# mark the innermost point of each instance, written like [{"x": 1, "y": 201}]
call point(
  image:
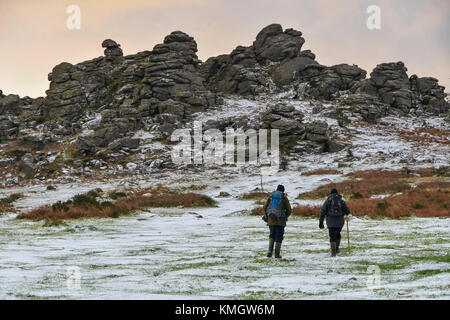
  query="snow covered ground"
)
[
  {"x": 220, "y": 252},
  {"x": 217, "y": 252}
]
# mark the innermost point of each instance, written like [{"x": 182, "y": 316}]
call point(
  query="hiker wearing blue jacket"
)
[
  {"x": 334, "y": 208},
  {"x": 277, "y": 211}
]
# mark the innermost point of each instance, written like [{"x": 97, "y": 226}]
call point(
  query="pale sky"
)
[{"x": 34, "y": 36}]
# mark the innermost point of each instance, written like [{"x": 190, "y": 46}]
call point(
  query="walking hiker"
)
[
  {"x": 277, "y": 211},
  {"x": 334, "y": 209}
]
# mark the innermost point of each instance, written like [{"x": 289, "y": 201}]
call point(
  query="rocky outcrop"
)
[
  {"x": 11, "y": 107},
  {"x": 292, "y": 130},
  {"x": 333, "y": 79},
  {"x": 364, "y": 106},
  {"x": 246, "y": 69},
  {"x": 112, "y": 51},
  {"x": 96, "y": 108},
  {"x": 390, "y": 82},
  {"x": 300, "y": 68},
  {"x": 428, "y": 96},
  {"x": 276, "y": 56},
  {"x": 284, "y": 118},
  {"x": 162, "y": 87},
  {"x": 274, "y": 45},
  {"x": 238, "y": 72}
]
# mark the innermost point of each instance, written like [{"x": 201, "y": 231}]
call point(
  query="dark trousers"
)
[
  {"x": 277, "y": 233},
  {"x": 335, "y": 234}
]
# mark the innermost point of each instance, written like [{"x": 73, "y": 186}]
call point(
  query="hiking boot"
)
[
  {"x": 271, "y": 243},
  {"x": 337, "y": 246},
  {"x": 333, "y": 249},
  {"x": 277, "y": 250}
]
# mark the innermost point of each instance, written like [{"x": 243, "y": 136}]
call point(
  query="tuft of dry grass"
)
[
  {"x": 440, "y": 185},
  {"x": 419, "y": 203},
  {"x": 257, "y": 211},
  {"x": 196, "y": 187},
  {"x": 363, "y": 184},
  {"x": 360, "y": 188},
  {"x": 306, "y": 211},
  {"x": 88, "y": 205},
  {"x": 422, "y": 135},
  {"x": 16, "y": 146},
  {"x": 256, "y": 195},
  {"x": 321, "y": 171},
  {"x": 369, "y": 174},
  {"x": 6, "y": 203},
  {"x": 429, "y": 199},
  {"x": 53, "y": 147}
]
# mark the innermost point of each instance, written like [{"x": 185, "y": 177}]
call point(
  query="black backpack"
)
[{"x": 335, "y": 209}]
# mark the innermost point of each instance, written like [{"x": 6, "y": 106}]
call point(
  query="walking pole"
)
[{"x": 348, "y": 236}]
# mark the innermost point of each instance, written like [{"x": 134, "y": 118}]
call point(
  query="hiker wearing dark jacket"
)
[
  {"x": 334, "y": 209},
  {"x": 277, "y": 211}
]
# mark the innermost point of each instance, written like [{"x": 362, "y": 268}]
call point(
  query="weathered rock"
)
[
  {"x": 334, "y": 146},
  {"x": 235, "y": 79},
  {"x": 294, "y": 69},
  {"x": 27, "y": 165},
  {"x": 211, "y": 66},
  {"x": 392, "y": 85},
  {"x": 428, "y": 95},
  {"x": 333, "y": 79},
  {"x": 11, "y": 105},
  {"x": 128, "y": 143},
  {"x": 112, "y": 51},
  {"x": 244, "y": 70},
  {"x": 285, "y": 118},
  {"x": 272, "y": 44},
  {"x": 368, "y": 107},
  {"x": 84, "y": 147},
  {"x": 317, "y": 131}
]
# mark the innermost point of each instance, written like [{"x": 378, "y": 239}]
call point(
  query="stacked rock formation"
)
[
  {"x": 276, "y": 56},
  {"x": 101, "y": 103}
]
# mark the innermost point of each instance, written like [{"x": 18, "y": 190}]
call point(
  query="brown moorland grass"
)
[
  {"x": 442, "y": 185},
  {"x": 418, "y": 203},
  {"x": 422, "y": 135},
  {"x": 365, "y": 183},
  {"x": 6, "y": 202},
  {"x": 255, "y": 195},
  {"x": 321, "y": 171},
  {"x": 15, "y": 146},
  {"x": 359, "y": 188},
  {"x": 87, "y": 205},
  {"x": 257, "y": 211},
  {"x": 430, "y": 198}
]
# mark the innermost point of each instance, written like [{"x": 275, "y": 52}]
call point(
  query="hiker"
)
[
  {"x": 277, "y": 211},
  {"x": 334, "y": 208}
]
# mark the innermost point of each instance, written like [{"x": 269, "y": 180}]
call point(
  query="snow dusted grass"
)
[
  {"x": 158, "y": 256},
  {"x": 217, "y": 252}
]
